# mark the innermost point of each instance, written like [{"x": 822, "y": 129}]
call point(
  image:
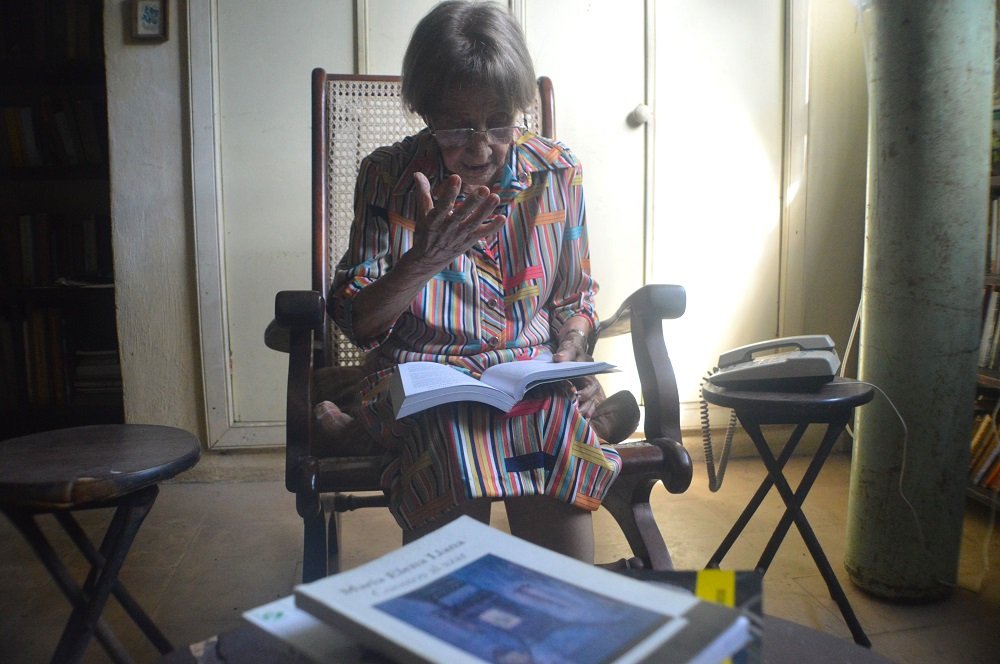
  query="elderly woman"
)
[{"x": 469, "y": 247}]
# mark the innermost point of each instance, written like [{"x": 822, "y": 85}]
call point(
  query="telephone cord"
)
[{"x": 715, "y": 474}]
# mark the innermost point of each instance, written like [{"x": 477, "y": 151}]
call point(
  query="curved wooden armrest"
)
[
  {"x": 642, "y": 315},
  {"x": 653, "y": 301},
  {"x": 660, "y": 459}
]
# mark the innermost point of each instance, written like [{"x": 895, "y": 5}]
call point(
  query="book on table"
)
[
  {"x": 417, "y": 386},
  {"x": 469, "y": 593}
]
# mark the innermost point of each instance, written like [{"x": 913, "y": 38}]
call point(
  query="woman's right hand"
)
[{"x": 444, "y": 230}]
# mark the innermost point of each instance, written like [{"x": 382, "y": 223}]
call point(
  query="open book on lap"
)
[
  {"x": 417, "y": 386},
  {"x": 470, "y": 593}
]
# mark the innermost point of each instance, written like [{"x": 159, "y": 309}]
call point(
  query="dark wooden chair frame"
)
[{"x": 326, "y": 486}]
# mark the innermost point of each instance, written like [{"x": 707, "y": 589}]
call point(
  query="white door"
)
[{"x": 717, "y": 184}]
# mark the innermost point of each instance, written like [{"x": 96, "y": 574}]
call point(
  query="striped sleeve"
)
[
  {"x": 574, "y": 288},
  {"x": 367, "y": 257}
]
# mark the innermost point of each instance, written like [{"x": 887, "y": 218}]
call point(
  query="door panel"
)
[
  {"x": 718, "y": 155},
  {"x": 598, "y": 68}
]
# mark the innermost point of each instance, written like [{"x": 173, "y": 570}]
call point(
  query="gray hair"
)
[{"x": 469, "y": 44}]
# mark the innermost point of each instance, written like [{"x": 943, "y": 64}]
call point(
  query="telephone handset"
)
[
  {"x": 803, "y": 363},
  {"x": 812, "y": 364}
]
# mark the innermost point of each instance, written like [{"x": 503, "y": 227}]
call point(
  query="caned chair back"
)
[{"x": 352, "y": 115}]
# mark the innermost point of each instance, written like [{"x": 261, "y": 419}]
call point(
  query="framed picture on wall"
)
[{"x": 149, "y": 20}]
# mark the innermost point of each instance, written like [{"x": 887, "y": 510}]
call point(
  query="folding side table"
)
[
  {"x": 832, "y": 405},
  {"x": 58, "y": 472}
]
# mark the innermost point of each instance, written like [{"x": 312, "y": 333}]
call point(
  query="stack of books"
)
[{"x": 469, "y": 593}]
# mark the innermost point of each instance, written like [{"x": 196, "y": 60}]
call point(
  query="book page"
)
[
  {"x": 516, "y": 378},
  {"x": 426, "y": 376}
]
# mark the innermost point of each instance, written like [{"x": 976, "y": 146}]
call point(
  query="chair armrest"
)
[
  {"x": 642, "y": 315},
  {"x": 297, "y": 317},
  {"x": 654, "y": 301},
  {"x": 293, "y": 309},
  {"x": 300, "y": 308}
]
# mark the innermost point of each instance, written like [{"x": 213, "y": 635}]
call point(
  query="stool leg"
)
[
  {"x": 756, "y": 500},
  {"x": 25, "y": 523},
  {"x": 129, "y": 514},
  {"x": 124, "y": 598},
  {"x": 809, "y": 537},
  {"x": 808, "y": 479}
]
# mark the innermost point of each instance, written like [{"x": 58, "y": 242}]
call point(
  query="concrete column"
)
[{"x": 929, "y": 68}]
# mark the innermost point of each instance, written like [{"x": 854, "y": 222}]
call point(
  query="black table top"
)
[
  {"x": 73, "y": 467},
  {"x": 829, "y": 402},
  {"x": 782, "y": 642}
]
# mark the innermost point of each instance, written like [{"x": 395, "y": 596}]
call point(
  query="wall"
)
[
  {"x": 833, "y": 248},
  {"x": 153, "y": 229},
  {"x": 152, "y": 235}
]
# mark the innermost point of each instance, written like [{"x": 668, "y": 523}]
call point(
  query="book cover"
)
[
  {"x": 469, "y": 593},
  {"x": 417, "y": 386},
  {"x": 305, "y": 633}
]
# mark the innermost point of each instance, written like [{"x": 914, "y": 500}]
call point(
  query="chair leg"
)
[
  {"x": 309, "y": 505},
  {"x": 333, "y": 540},
  {"x": 628, "y": 502},
  {"x": 314, "y": 553}
]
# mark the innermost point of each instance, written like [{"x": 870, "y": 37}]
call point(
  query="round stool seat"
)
[{"x": 69, "y": 468}]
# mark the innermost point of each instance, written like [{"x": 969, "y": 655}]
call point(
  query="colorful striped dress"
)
[{"x": 504, "y": 300}]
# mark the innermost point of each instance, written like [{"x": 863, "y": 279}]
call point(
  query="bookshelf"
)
[
  {"x": 59, "y": 363},
  {"x": 984, "y": 464}
]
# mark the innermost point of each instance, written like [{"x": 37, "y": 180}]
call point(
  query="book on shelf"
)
[
  {"x": 10, "y": 235},
  {"x": 417, "y": 386},
  {"x": 993, "y": 237},
  {"x": 986, "y": 342},
  {"x": 15, "y": 145},
  {"x": 991, "y": 479},
  {"x": 469, "y": 593},
  {"x": 97, "y": 372},
  {"x": 980, "y": 427},
  {"x": 986, "y": 459},
  {"x": 12, "y": 360},
  {"x": 985, "y": 447}
]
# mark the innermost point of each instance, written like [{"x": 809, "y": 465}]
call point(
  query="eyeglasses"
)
[{"x": 450, "y": 139}]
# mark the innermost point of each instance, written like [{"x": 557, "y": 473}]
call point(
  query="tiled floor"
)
[{"x": 226, "y": 538}]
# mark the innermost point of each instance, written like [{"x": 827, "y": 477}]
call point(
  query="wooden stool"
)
[
  {"x": 832, "y": 405},
  {"x": 57, "y": 472}
]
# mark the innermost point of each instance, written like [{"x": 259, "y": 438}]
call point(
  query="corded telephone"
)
[{"x": 811, "y": 363}]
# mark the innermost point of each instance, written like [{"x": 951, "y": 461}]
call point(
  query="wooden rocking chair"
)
[{"x": 351, "y": 116}]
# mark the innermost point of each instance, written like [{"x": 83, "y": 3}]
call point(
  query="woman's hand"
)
[
  {"x": 442, "y": 231},
  {"x": 573, "y": 348},
  {"x": 445, "y": 230}
]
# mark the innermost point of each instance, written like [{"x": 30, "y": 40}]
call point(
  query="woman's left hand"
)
[{"x": 573, "y": 348}]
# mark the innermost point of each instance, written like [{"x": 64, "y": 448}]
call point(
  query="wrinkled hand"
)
[
  {"x": 445, "y": 230},
  {"x": 589, "y": 393}
]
